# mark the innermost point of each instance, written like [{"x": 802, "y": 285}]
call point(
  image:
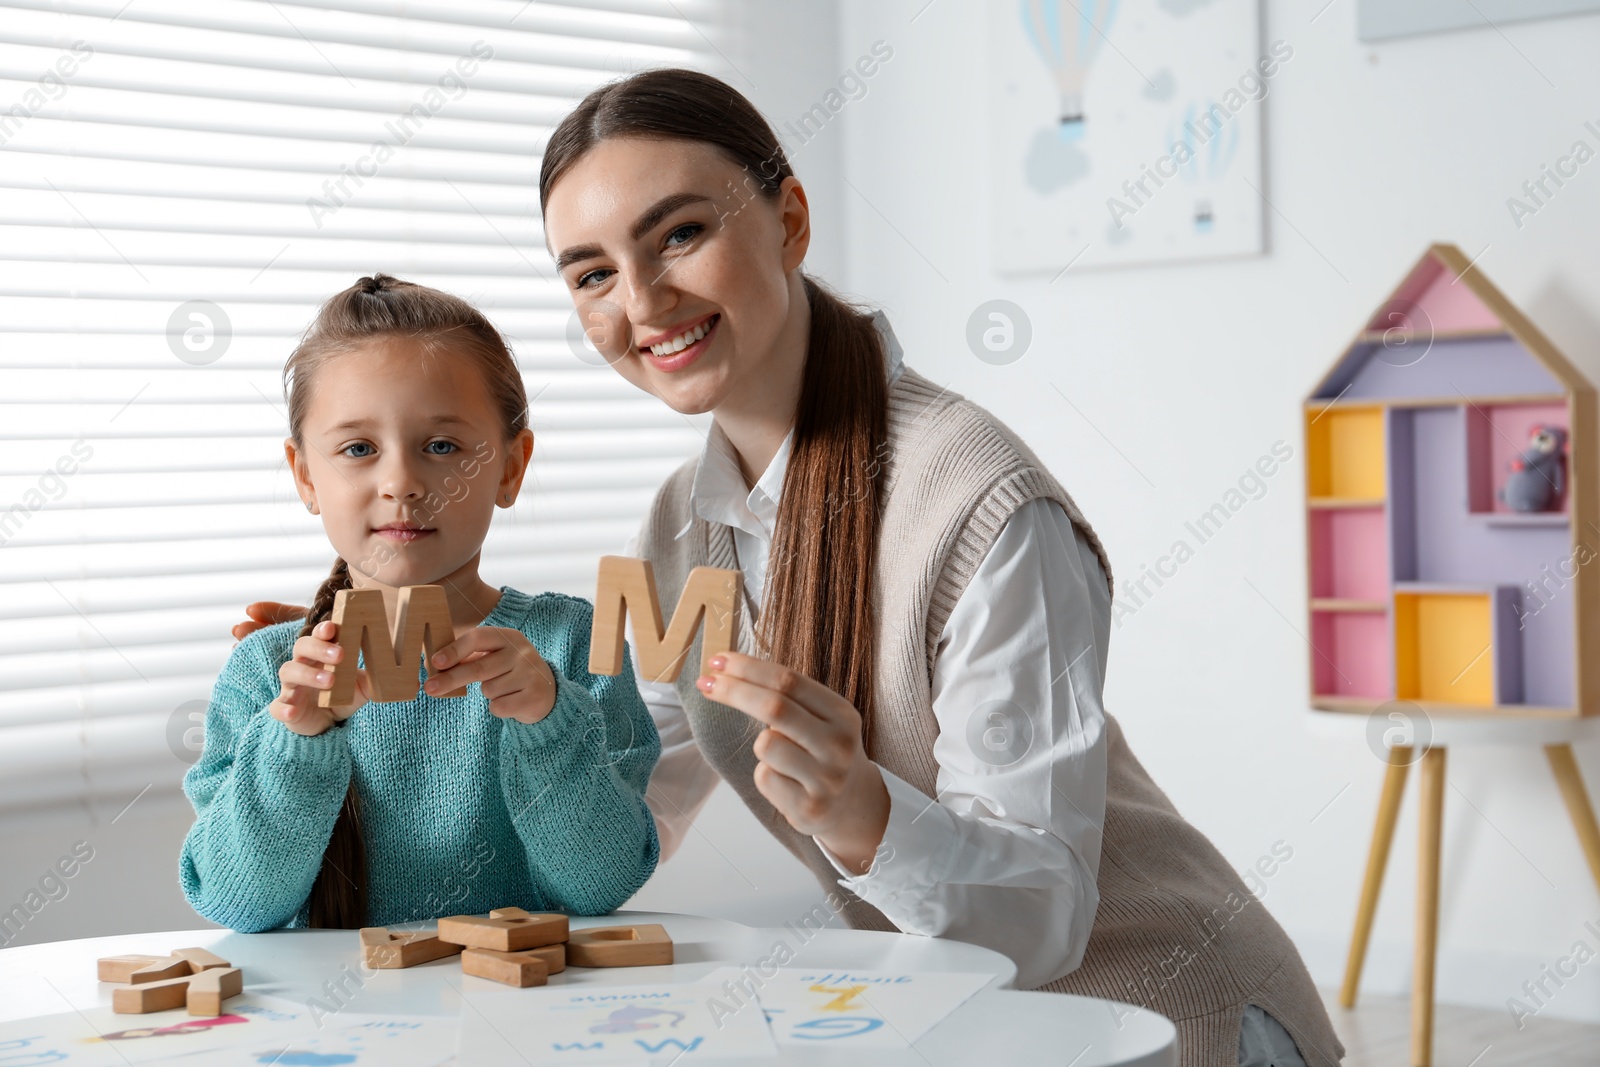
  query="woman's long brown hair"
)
[
  {"x": 816, "y": 614},
  {"x": 375, "y": 307}
]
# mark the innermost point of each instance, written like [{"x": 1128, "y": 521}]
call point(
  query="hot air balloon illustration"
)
[
  {"x": 1068, "y": 35},
  {"x": 1211, "y": 141}
]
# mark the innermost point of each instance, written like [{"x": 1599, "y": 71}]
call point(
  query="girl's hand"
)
[
  {"x": 305, "y": 676},
  {"x": 517, "y": 681},
  {"x": 813, "y": 768}
]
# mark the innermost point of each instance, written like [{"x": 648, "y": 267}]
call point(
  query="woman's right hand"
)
[
  {"x": 306, "y": 675},
  {"x": 264, "y": 613}
]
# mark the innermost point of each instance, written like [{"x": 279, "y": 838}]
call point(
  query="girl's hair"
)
[
  {"x": 375, "y": 308},
  {"x": 816, "y": 614}
]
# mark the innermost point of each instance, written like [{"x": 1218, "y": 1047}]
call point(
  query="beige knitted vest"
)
[{"x": 1176, "y": 930}]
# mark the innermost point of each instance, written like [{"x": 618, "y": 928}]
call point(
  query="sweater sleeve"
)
[
  {"x": 265, "y": 799},
  {"x": 575, "y": 780}
]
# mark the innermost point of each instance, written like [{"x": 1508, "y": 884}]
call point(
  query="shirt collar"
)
[{"x": 718, "y": 493}]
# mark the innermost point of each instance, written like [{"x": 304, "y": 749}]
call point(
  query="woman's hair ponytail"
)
[
  {"x": 817, "y": 607},
  {"x": 816, "y": 614},
  {"x": 379, "y": 306}
]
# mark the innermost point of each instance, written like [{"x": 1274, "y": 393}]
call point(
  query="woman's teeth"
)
[{"x": 682, "y": 341}]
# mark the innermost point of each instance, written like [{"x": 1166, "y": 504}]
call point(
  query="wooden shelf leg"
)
[
  {"x": 1431, "y": 824},
  {"x": 1570, "y": 780},
  {"x": 1394, "y": 784}
]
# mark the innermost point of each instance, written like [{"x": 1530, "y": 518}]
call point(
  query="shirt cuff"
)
[{"x": 914, "y": 856}]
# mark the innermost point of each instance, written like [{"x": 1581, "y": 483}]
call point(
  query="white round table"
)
[{"x": 998, "y": 1025}]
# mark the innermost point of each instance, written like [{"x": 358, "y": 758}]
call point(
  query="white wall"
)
[{"x": 1192, "y": 372}]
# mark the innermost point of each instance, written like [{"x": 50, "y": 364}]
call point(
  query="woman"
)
[{"x": 927, "y": 613}]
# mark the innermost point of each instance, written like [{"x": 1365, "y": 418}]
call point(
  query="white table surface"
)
[{"x": 999, "y": 1025}]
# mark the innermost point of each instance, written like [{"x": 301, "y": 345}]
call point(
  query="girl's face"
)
[
  {"x": 404, "y": 455},
  {"x": 656, "y": 237}
]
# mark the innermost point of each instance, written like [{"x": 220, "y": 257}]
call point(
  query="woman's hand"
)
[
  {"x": 264, "y": 613},
  {"x": 517, "y": 681},
  {"x": 306, "y": 675},
  {"x": 813, "y": 768}
]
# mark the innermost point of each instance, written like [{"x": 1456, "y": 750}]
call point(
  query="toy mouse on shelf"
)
[{"x": 1537, "y": 477}]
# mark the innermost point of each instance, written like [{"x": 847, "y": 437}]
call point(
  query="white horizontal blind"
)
[{"x": 232, "y": 151}]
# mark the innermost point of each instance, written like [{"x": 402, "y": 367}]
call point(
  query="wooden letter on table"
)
[
  {"x": 210, "y": 987},
  {"x": 138, "y": 969},
  {"x": 382, "y": 949},
  {"x": 505, "y": 930},
  {"x": 520, "y": 969},
  {"x": 159, "y": 970},
  {"x": 627, "y": 583},
  {"x": 194, "y": 976},
  {"x": 646, "y": 945},
  {"x": 422, "y": 628},
  {"x": 200, "y": 959},
  {"x": 123, "y": 968},
  {"x": 151, "y": 996}
]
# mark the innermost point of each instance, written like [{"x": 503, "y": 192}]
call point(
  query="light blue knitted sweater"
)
[{"x": 461, "y": 811}]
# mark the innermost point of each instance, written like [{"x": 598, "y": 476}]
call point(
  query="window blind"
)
[{"x": 180, "y": 185}]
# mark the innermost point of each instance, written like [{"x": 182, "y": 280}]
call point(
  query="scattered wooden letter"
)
[
  {"x": 194, "y": 976},
  {"x": 210, "y": 987},
  {"x": 150, "y": 996},
  {"x": 520, "y": 969},
  {"x": 122, "y": 968},
  {"x": 646, "y": 945},
  {"x": 505, "y": 930},
  {"x": 626, "y": 583},
  {"x": 200, "y": 959},
  {"x": 554, "y": 956},
  {"x": 421, "y": 628},
  {"x": 160, "y": 969},
  {"x": 383, "y": 949}
]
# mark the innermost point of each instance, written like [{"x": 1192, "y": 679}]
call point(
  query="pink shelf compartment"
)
[
  {"x": 1352, "y": 655},
  {"x": 1349, "y": 554}
]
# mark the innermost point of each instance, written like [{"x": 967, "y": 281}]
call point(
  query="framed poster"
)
[{"x": 1126, "y": 132}]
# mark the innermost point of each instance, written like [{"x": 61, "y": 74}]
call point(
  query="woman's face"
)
[{"x": 656, "y": 238}]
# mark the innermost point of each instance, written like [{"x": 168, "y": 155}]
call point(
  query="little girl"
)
[{"x": 407, "y": 427}]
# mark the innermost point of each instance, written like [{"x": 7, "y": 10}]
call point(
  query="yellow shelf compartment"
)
[
  {"x": 1457, "y": 645},
  {"x": 1345, "y": 455}
]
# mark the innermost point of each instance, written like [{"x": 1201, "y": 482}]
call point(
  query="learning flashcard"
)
[
  {"x": 96, "y": 1037},
  {"x": 606, "y": 1024},
  {"x": 349, "y": 1041},
  {"x": 838, "y": 1008}
]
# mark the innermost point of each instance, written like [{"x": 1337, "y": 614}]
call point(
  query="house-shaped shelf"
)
[{"x": 1425, "y": 584}]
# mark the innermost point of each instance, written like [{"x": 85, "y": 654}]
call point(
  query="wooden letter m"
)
[
  {"x": 626, "y": 583},
  {"x": 390, "y": 657}
]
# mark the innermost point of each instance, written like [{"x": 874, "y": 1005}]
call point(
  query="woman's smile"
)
[{"x": 666, "y": 356}]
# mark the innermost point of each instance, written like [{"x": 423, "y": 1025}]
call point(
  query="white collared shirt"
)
[{"x": 1007, "y": 854}]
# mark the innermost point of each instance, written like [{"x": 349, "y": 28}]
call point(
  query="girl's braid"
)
[{"x": 322, "y": 606}]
